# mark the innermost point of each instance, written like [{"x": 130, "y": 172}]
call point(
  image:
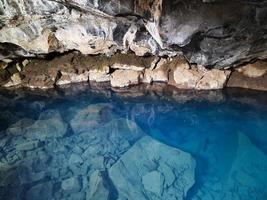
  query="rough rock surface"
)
[
  {"x": 125, "y": 78},
  {"x": 204, "y": 32},
  {"x": 185, "y": 76},
  {"x": 251, "y": 76},
  {"x": 160, "y": 172}
]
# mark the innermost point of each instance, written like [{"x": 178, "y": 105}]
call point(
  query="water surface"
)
[{"x": 94, "y": 143}]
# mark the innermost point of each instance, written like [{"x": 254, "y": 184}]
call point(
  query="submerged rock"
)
[
  {"x": 152, "y": 169},
  {"x": 97, "y": 189}
]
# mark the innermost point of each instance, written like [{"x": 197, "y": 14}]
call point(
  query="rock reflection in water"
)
[{"x": 96, "y": 144}]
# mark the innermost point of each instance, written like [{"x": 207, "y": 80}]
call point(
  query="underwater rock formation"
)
[
  {"x": 152, "y": 169},
  {"x": 39, "y": 160}
]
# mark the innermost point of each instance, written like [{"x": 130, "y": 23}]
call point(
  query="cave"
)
[{"x": 133, "y": 99}]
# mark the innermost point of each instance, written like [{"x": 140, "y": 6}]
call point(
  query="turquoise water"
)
[{"x": 94, "y": 143}]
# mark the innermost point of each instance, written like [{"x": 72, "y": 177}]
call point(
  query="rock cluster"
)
[
  {"x": 120, "y": 70},
  {"x": 251, "y": 76},
  {"x": 55, "y": 158}
]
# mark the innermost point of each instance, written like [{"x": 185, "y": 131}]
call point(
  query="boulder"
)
[
  {"x": 250, "y": 76},
  {"x": 150, "y": 168},
  {"x": 185, "y": 77},
  {"x": 254, "y": 70},
  {"x": 125, "y": 78},
  {"x": 15, "y": 79},
  {"x": 99, "y": 75},
  {"x": 49, "y": 125},
  {"x": 97, "y": 188},
  {"x": 68, "y": 78},
  {"x": 197, "y": 77},
  {"x": 213, "y": 79},
  {"x": 157, "y": 74}
]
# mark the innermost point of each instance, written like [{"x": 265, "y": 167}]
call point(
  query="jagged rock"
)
[
  {"x": 238, "y": 80},
  {"x": 49, "y": 124},
  {"x": 97, "y": 189},
  {"x": 197, "y": 77},
  {"x": 68, "y": 78},
  {"x": 99, "y": 127},
  {"x": 200, "y": 29},
  {"x": 15, "y": 79},
  {"x": 125, "y": 78},
  {"x": 139, "y": 172},
  {"x": 153, "y": 182},
  {"x": 99, "y": 75},
  {"x": 213, "y": 79},
  {"x": 250, "y": 76},
  {"x": 184, "y": 77},
  {"x": 91, "y": 117},
  {"x": 157, "y": 74},
  {"x": 75, "y": 159}
]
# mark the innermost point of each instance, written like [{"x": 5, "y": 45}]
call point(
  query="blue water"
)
[{"x": 88, "y": 143}]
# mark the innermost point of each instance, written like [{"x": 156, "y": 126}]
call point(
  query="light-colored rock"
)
[
  {"x": 25, "y": 62},
  {"x": 124, "y": 78},
  {"x": 186, "y": 77},
  {"x": 138, "y": 173},
  {"x": 153, "y": 182},
  {"x": 254, "y": 70},
  {"x": 71, "y": 185},
  {"x": 97, "y": 189},
  {"x": 15, "y": 79},
  {"x": 49, "y": 125},
  {"x": 99, "y": 75},
  {"x": 67, "y": 78},
  {"x": 139, "y": 50},
  {"x": 75, "y": 159},
  {"x": 158, "y": 74},
  {"x": 213, "y": 79},
  {"x": 197, "y": 77},
  {"x": 127, "y": 67}
]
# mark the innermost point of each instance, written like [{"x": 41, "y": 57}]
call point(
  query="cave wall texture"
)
[{"x": 212, "y": 33}]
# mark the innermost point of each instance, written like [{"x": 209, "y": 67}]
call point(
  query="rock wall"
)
[
  {"x": 125, "y": 70},
  {"x": 211, "y": 33}
]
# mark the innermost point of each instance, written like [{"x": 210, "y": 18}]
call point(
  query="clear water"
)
[{"x": 82, "y": 143}]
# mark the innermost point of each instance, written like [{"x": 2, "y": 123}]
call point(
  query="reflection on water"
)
[{"x": 96, "y": 144}]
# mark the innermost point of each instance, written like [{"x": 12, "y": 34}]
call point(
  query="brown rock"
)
[
  {"x": 254, "y": 70},
  {"x": 239, "y": 80},
  {"x": 159, "y": 74},
  {"x": 213, "y": 79},
  {"x": 184, "y": 77},
  {"x": 124, "y": 78},
  {"x": 68, "y": 78},
  {"x": 99, "y": 75}
]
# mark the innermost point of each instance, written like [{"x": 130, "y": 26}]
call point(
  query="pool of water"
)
[{"x": 94, "y": 143}]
